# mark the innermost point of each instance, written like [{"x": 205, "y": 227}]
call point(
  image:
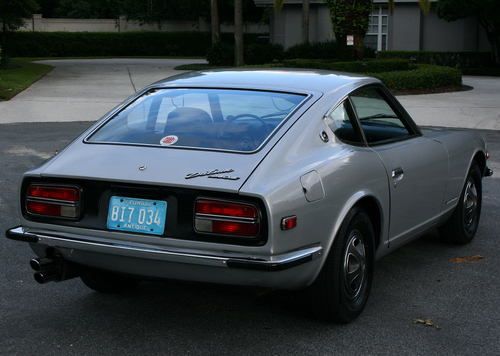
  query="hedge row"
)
[
  {"x": 81, "y": 44},
  {"x": 324, "y": 50},
  {"x": 450, "y": 59},
  {"x": 423, "y": 77},
  {"x": 397, "y": 74},
  {"x": 372, "y": 66}
]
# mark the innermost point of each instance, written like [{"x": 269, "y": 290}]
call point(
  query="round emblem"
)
[{"x": 169, "y": 140}]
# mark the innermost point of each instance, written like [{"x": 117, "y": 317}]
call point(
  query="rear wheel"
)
[
  {"x": 462, "y": 226},
  {"x": 107, "y": 282},
  {"x": 342, "y": 288}
]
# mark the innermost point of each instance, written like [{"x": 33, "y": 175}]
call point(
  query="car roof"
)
[{"x": 292, "y": 79}]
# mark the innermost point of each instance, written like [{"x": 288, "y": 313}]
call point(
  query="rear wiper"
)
[{"x": 379, "y": 116}]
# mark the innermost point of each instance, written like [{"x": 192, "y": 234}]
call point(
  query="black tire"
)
[
  {"x": 462, "y": 226},
  {"x": 335, "y": 296},
  {"x": 107, "y": 282}
]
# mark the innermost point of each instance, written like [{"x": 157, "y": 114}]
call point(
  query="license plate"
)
[{"x": 137, "y": 215}]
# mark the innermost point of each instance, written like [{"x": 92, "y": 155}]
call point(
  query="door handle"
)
[{"x": 397, "y": 175}]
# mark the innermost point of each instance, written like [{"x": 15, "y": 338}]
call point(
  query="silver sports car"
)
[{"x": 275, "y": 178}]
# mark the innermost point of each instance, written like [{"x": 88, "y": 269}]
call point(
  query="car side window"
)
[
  {"x": 378, "y": 120},
  {"x": 341, "y": 121}
]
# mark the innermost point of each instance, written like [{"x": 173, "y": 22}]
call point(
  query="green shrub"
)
[
  {"x": 450, "y": 59},
  {"x": 81, "y": 44},
  {"x": 423, "y": 77},
  {"x": 373, "y": 65},
  {"x": 260, "y": 53},
  {"x": 222, "y": 54},
  {"x": 324, "y": 50},
  {"x": 483, "y": 71}
]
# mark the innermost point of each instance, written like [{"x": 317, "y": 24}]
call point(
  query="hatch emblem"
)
[{"x": 214, "y": 174}]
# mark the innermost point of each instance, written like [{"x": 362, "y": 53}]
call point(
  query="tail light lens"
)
[
  {"x": 53, "y": 201},
  {"x": 226, "y": 218},
  {"x": 70, "y": 194}
]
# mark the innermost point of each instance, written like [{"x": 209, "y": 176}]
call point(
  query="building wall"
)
[
  {"x": 460, "y": 35},
  {"x": 286, "y": 27},
  {"x": 409, "y": 29},
  {"x": 404, "y": 28},
  {"x": 38, "y": 23}
]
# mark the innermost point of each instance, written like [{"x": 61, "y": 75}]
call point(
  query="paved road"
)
[
  {"x": 417, "y": 281},
  {"x": 478, "y": 108},
  {"x": 85, "y": 89}
]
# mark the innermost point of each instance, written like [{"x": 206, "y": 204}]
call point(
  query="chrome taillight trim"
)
[{"x": 198, "y": 218}]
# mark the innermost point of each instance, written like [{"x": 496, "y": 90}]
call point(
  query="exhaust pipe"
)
[
  {"x": 42, "y": 277},
  {"x": 53, "y": 270},
  {"x": 39, "y": 264}
]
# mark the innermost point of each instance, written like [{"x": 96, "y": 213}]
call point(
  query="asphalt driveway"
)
[
  {"x": 85, "y": 89},
  {"x": 419, "y": 281}
]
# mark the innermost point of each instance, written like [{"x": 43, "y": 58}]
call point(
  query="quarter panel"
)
[{"x": 348, "y": 174}]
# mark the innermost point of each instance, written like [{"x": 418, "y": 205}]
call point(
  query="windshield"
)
[{"x": 237, "y": 120}]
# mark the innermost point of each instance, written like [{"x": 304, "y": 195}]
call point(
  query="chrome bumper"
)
[{"x": 273, "y": 263}]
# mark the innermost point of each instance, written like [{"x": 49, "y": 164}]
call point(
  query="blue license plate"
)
[{"x": 137, "y": 215}]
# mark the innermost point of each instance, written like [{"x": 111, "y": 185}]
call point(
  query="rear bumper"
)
[{"x": 288, "y": 270}]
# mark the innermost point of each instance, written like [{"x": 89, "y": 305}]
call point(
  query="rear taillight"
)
[
  {"x": 226, "y": 218},
  {"x": 53, "y": 201}
]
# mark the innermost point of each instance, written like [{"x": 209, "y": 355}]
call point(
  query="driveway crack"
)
[{"x": 131, "y": 81}]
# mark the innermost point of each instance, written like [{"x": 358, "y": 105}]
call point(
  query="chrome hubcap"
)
[
  {"x": 470, "y": 204},
  {"x": 354, "y": 264}
]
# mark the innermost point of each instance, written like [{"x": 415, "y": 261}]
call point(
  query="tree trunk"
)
[
  {"x": 214, "y": 22},
  {"x": 359, "y": 46},
  {"x": 238, "y": 33},
  {"x": 305, "y": 21},
  {"x": 495, "y": 46}
]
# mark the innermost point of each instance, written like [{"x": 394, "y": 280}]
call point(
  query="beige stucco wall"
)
[{"x": 38, "y": 23}]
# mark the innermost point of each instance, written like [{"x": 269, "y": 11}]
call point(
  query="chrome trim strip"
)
[
  {"x": 53, "y": 201},
  {"x": 226, "y": 218},
  {"x": 275, "y": 263}
]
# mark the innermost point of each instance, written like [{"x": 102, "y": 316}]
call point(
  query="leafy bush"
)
[
  {"x": 450, "y": 59},
  {"x": 397, "y": 74},
  {"x": 423, "y": 77},
  {"x": 373, "y": 66},
  {"x": 222, "y": 54},
  {"x": 80, "y": 44},
  {"x": 324, "y": 50},
  {"x": 260, "y": 53},
  {"x": 318, "y": 50},
  {"x": 486, "y": 71}
]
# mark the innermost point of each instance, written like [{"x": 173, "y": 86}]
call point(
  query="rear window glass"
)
[{"x": 236, "y": 120}]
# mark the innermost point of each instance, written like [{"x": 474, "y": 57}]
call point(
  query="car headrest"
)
[{"x": 186, "y": 116}]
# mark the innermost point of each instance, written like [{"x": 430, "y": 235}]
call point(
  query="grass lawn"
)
[{"x": 19, "y": 75}]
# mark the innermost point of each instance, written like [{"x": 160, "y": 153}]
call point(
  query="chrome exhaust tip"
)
[
  {"x": 38, "y": 264},
  {"x": 42, "y": 277}
]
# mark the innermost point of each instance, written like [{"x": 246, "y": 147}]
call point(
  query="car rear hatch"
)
[{"x": 176, "y": 176}]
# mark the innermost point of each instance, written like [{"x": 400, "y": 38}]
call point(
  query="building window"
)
[{"x": 376, "y": 37}]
